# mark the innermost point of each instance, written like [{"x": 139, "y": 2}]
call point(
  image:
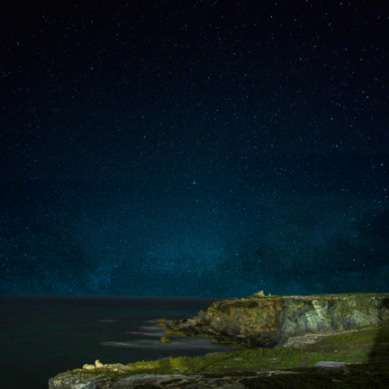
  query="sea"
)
[{"x": 41, "y": 336}]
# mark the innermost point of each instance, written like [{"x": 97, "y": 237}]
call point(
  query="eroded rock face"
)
[{"x": 269, "y": 321}]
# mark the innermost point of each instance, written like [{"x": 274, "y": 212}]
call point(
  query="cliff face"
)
[{"x": 260, "y": 321}]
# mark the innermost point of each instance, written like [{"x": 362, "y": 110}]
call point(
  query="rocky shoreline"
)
[
  {"x": 280, "y": 323},
  {"x": 68, "y": 381},
  {"x": 102, "y": 380}
]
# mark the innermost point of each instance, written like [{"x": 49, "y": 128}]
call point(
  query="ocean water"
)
[{"x": 43, "y": 336}]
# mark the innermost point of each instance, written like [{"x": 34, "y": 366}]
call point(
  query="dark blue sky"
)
[{"x": 204, "y": 148}]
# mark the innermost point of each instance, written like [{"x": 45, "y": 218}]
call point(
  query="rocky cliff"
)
[
  {"x": 268, "y": 321},
  {"x": 255, "y": 321}
]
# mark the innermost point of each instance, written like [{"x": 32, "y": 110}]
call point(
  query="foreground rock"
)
[
  {"x": 269, "y": 321},
  {"x": 116, "y": 377},
  {"x": 71, "y": 381}
]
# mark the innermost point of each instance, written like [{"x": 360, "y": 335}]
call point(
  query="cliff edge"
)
[
  {"x": 269, "y": 321},
  {"x": 291, "y": 322}
]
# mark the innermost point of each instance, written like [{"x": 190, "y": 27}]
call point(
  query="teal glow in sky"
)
[{"x": 193, "y": 148}]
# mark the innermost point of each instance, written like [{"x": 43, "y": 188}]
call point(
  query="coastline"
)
[{"x": 347, "y": 353}]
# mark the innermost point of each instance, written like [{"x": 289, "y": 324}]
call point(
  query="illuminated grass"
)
[{"x": 350, "y": 347}]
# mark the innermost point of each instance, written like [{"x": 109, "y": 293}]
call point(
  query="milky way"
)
[{"x": 193, "y": 148}]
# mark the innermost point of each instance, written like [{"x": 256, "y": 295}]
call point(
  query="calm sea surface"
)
[{"x": 43, "y": 336}]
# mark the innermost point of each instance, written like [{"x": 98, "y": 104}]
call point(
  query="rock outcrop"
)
[
  {"x": 269, "y": 321},
  {"x": 168, "y": 381},
  {"x": 256, "y": 321}
]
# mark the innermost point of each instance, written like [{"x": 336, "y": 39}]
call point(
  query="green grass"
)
[
  {"x": 366, "y": 348},
  {"x": 361, "y": 376}
]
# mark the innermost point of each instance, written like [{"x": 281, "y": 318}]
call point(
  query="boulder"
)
[{"x": 330, "y": 367}]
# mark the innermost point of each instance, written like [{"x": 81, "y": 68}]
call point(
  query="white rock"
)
[{"x": 89, "y": 367}]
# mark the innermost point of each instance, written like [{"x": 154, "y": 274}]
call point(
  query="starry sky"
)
[{"x": 193, "y": 148}]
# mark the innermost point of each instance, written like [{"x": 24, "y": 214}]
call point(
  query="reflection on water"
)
[
  {"x": 194, "y": 344},
  {"x": 154, "y": 331}
]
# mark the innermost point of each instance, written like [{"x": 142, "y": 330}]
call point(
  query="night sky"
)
[{"x": 193, "y": 148}]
